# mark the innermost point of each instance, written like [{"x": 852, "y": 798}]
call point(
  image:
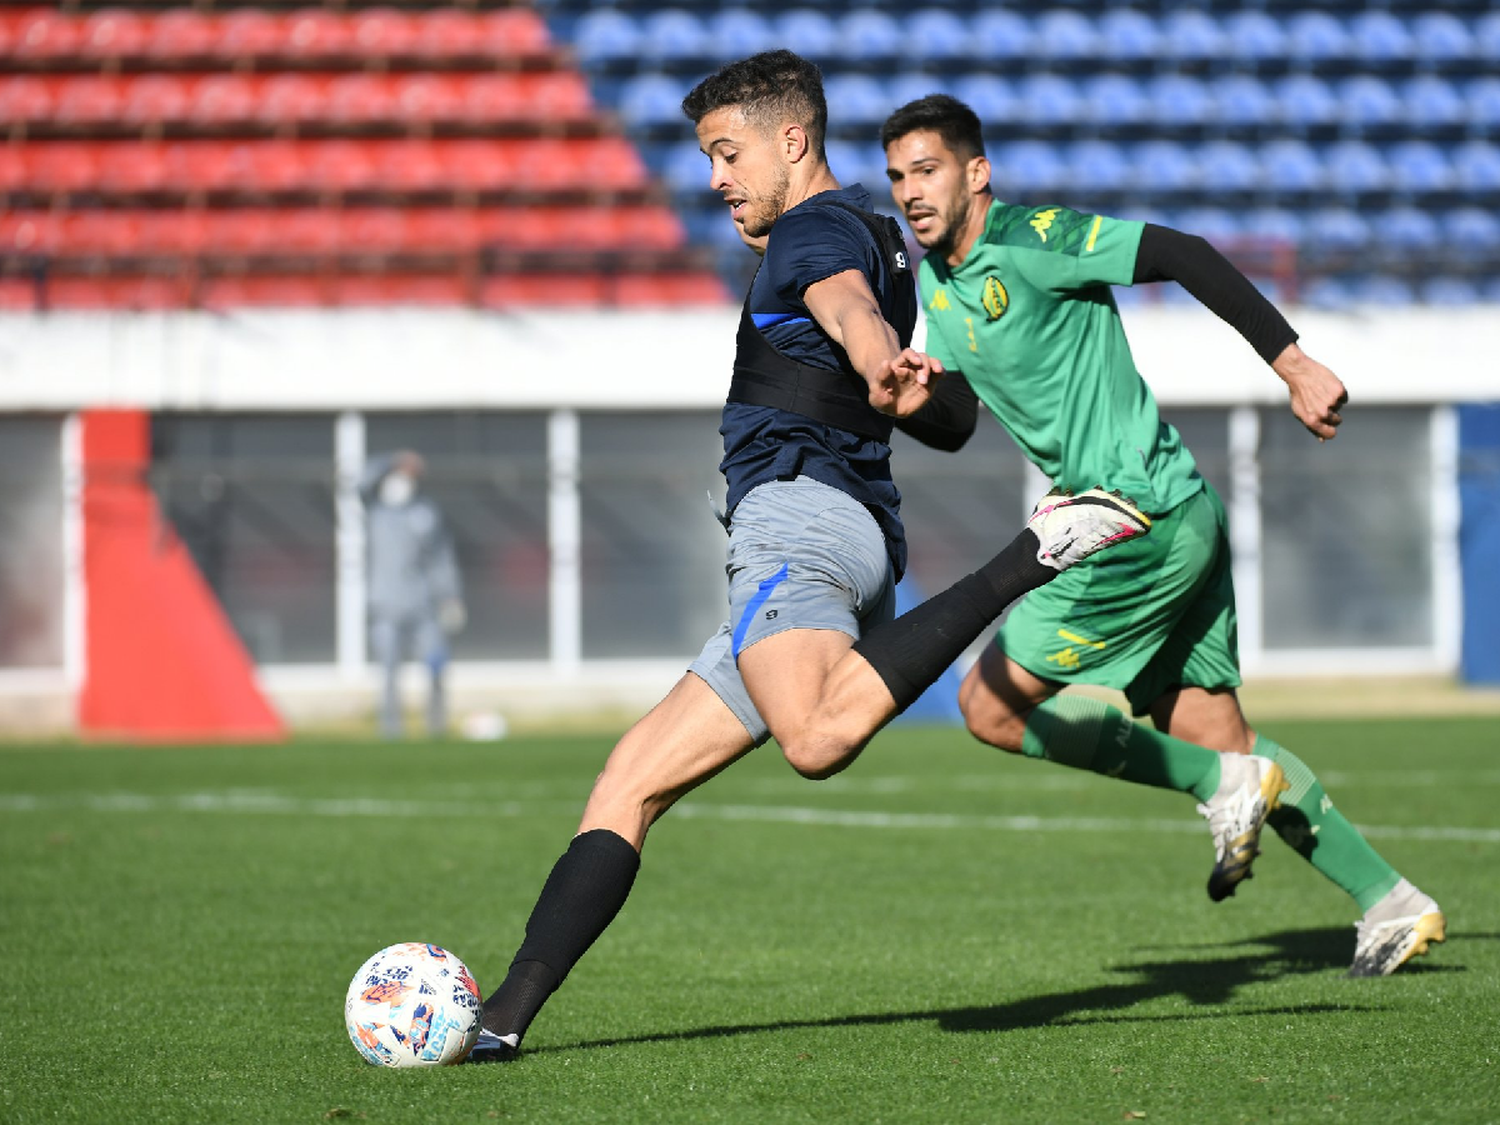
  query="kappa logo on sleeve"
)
[{"x": 1041, "y": 222}]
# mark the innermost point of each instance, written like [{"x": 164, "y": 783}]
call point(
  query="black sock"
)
[
  {"x": 585, "y": 891},
  {"x": 911, "y": 652}
]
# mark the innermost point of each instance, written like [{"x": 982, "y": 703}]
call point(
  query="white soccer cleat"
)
[
  {"x": 492, "y": 1048},
  {"x": 1250, "y": 788},
  {"x": 1402, "y": 925},
  {"x": 1073, "y": 527}
]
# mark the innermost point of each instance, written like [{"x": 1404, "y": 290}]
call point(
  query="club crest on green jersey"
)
[{"x": 995, "y": 300}]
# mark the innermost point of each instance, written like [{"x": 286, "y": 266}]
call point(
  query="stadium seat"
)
[
  {"x": 908, "y": 86},
  {"x": 111, "y": 234},
  {"x": 1224, "y": 166},
  {"x": 352, "y": 99},
  {"x": 1408, "y": 229},
  {"x": 1164, "y": 166},
  {"x": 556, "y": 96},
  {"x": 28, "y": 232},
  {"x": 514, "y": 32},
  {"x": 1275, "y": 225},
  {"x": 1483, "y": 98},
  {"x": 1336, "y": 228},
  {"x": 1382, "y": 291},
  {"x": 857, "y": 162},
  {"x": 1380, "y": 39},
  {"x": 685, "y": 169},
  {"x": 605, "y": 35},
  {"x": 1127, "y": 36},
  {"x": 870, "y": 35},
  {"x": 446, "y": 33},
  {"x": 1061, "y": 35},
  {"x": 270, "y": 166},
  {"x": 1476, "y": 168},
  {"x": 649, "y": 100},
  {"x": 369, "y": 230},
  {"x": 991, "y": 97},
  {"x": 45, "y": 34},
  {"x": 1254, "y": 37},
  {"x": 24, "y": 97},
  {"x": 339, "y": 166},
  {"x": 15, "y": 168},
  {"x": 1368, "y": 104},
  {"x": 1048, "y": 99},
  {"x": 174, "y": 233},
  {"x": 670, "y": 34},
  {"x": 935, "y": 35},
  {"x": 861, "y": 100},
  {"x": 407, "y": 166},
  {"x": 155, "y": 99},
  {"x": 734, "y": 32},
  {"x": 611, "y": 163},
  {"x": 113, "y": 33},
  {"x": 1114, "y": 101},
  {"x": 1242, "y": 102},
  {"x": 1432, "y": 104},
  {"x": 1213, "y": 223},
  {"x": 1449, "y": 292},
  {"x": 1097, "y": 166},
  {"x": 426, "y": 98},
  {"x": 1001, "y": 35},
  {"x": 1023, "y": 167},
  {"x": 181, "y": 33},
  {"x": 480, "y": 165},
  {"x": 290, "y": 98},
  {"x": 1327, "y": 293},
  {"x": 1305, "y": 103},
  {"x": 1179, "y": 102},
  {"x": 1190, "y": 35},
  {"x": 1355, "y": 167},
  {"x": 310, "y": 33},
  {"x": 666, "y": 290},
  {"x": 1472, "y": 231},
  {"x": 200, "y": 165},
  {"x": 815, "y": 34},
  {"x": 390, "y": 289},
  {"x": 247, "y": 33},
  {"x": 259, "y": 291},
  {"x": 1419, "y": 167},
  {"x": 1290, "y": 166},
  {"x": 381, "y": 33},
  {"x": 87, "y": 101},
  {"x": 550, "y": 290},
  {"x": 1487, "y": 37},
  {"x": 1440, "y": 38},
  {"x": 1316, "y": 37},
  {"x": 63, "y": 167}
]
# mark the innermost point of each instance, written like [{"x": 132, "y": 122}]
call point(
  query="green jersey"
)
[{"x": 1029, "y": 319}]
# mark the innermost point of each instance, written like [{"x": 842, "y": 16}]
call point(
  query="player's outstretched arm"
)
[
  {"x": 1318, "y": 395},
  {"x": 899, "y": 378}
]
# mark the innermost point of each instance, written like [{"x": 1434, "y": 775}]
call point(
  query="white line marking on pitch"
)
[{"x": 233, "y": 801}]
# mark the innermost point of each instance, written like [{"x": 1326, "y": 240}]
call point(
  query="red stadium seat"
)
[
  {"x": 399, "y": 289},
  {"x": 249, "y": 33},
  {"x": 25, "y": 98},
  {"x": 497, "y": 97},
  {"x": 559, "y": 96},
  {"x": 134, "y": 168},
  {"x": 173, "y": 233},
  {"x": 339, "y": 166},
  {"x": 253, "y": 291},
  {"x": 449, "y": 230},
  {"x": 645, "y": 228},
  {"x": 28, "y": 232},
  {"x": 15, "y": 168},
  {"x": 307, "y": 230},
  {"x": 112, "y": 33},
  {"x": 479, "y": 165},
  {"x": 543, "y": 289},
  {"x": 427, "y": 97},
  {"x": 155, "y": 99},
  {"x": 291, "y": 97},
  {"x": 18, "y": 294},
  {"x": 447, "y": 32},
  {"x": 382, "y": 33},
  {"x": 611, "y": 163},
  {"x": 316, "y": 33},
  {"x": 509, "y": 32},
  {"x": 45, "y": 34},
  {"x": 201, "y": 165},
  {"x": 88, "y": 101},
  {"x": 269, "y": 166},
  {"x": 357, "y": 98},
  {"x": 667, "y": 290},
  {"x": 249, "y": 232},
  {"x": 115, "y": 292},
  {"x": 182, "y": 33},
  {"x": 553, "y": 164},
  {"x": 110, "y": 234},
  {"x": 63, "y": 167},
  {"x": 374, "y": 230},
  {"x": 408, "y": 166},
  {"x": 221, "y": 99}
]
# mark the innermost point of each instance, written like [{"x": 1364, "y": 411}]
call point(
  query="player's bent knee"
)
[
  {"x": 819, "y": 760},
  {"x": 996, "y": 726}
]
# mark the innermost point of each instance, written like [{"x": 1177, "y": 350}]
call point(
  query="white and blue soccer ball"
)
[{"x": 413, "y": 1004}]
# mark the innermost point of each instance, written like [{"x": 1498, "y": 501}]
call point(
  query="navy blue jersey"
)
[{"x": 810, "y": 243}]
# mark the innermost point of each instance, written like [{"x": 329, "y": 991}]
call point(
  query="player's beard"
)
[
  {"x": 955, "y": 218},
  {"x": 762, "y": 210}
]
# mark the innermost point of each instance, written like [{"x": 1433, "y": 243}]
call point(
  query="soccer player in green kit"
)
[{"x": 1018, "y": 300}]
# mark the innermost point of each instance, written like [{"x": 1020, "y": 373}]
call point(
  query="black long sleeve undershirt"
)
[
  {"x": 1170, "y": 255},
  {"x": 947, "y": 420}
]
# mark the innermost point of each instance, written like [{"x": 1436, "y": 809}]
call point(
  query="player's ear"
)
[
  {"x": 978, "y": 174},
  {"x": 794, "y": 142}
]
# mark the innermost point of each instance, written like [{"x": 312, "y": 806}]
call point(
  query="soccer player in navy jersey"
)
[{"x": 810, "y": 653}]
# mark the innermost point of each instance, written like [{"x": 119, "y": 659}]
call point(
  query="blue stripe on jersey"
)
[
  {"x": 771, "y": 320},
  {"x": 766, "y": 588}
]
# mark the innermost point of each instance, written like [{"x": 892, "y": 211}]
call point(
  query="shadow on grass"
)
[{"x": 1209, "y": 984}]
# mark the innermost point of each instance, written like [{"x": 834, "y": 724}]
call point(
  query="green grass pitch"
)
[{"x": 941, "y": 934}]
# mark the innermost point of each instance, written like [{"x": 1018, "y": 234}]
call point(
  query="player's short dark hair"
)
[
  {"x": 775, "y": 85},
  {"x": 946, "y": 116}
]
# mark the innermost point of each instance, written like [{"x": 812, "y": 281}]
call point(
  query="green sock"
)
[
  {"x": 1087, "y": 734},
  {"x": 1318, "y": 832}
]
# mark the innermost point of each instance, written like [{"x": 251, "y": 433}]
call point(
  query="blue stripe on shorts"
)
[{"x": 763, "y": 591}]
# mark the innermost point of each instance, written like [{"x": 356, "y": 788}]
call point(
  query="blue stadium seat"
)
[
  {"x": 1049, "y": 99},
  {"x": 736, "y": 32},
  {"x": 868, "y": 35},
  {"x": 858, "y": 162},
  {"x": 648, "y": 100},
  {"x": 1254, "y": 36},
  {"x": 1126, "y": 35},
  {"x": 1228, "y": 167},
  {"x": 988, "y": 96},
  {"x": 1178, "y": 101},
  {"x": 1476, "y": 167},
  {"x": 1408, "y": 228},
  {"x": 1386, "y": 292},
  {"x": 1164, "y": 166},
  {"x": 911, "y": 85},
  {"x": 1380, "y": 38},
  {"x": 938, "y": 35},
  {"x": 860, "y": 100},
  {"x": 1487, "y": 37},
  {"x": 672, "y": 33},
  {"x": 1368, "y": 103},
  {"x": 1490, "y": 290},
  {"x": 1189, "y": 35},
  {"x": 1290, "y": 167},
  {"x": 1316, "y": 37},
  {"x": 1061, "y": 34},
  {"x": 1419, "y": 166},
  {"x": 1024, "y": 167},
  {"x": 1115, "y": 100},
  {"x": 1432, "y": 103},
  {"x": 1095, "y": 166},
  {"x": 1001, "y": 35},
  {"x": 1327, "y": 293},
  {"x": 1336, "y": 228},
  {"x": 1441, "y": 37},
  {"x": 814, "y": 33},
  {"x": 1213, "y": 223},
  {"x": 1449, "y": 292},
  {"x": 684, "y": 168},
  {"x": 1242, "y": 101},
  {"x": 1305, "y": 102},
  {"x": 605, "y": 35},
  {"x": 1483, "y": 97},
  {"x": 1472, "y": 231},
  {"x": 1355, "y": 167},
  {"x": 1273, "y": 224}
]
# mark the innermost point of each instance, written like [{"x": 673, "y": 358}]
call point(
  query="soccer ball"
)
[{"x": 412, "y": 1004}]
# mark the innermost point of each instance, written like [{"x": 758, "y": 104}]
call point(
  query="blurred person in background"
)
[{"x": 414, "y": 588}]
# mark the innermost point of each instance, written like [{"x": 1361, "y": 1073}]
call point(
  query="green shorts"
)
[{"x": 1146, "y": 617}]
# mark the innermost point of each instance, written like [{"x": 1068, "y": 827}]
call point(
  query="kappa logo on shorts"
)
[
  {"x": 1068, "y": 657},
  {"x": 771, "y": 614}
]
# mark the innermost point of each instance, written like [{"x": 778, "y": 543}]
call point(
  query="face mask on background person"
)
[{"x": 397, "y": 489}]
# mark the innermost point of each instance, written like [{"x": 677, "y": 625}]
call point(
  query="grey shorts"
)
[{"x": 802, "y": 555}]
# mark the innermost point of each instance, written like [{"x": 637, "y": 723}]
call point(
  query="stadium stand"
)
[
  {"x": 1297, "y": 129},
  {"x": 158, "y": 156}
]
